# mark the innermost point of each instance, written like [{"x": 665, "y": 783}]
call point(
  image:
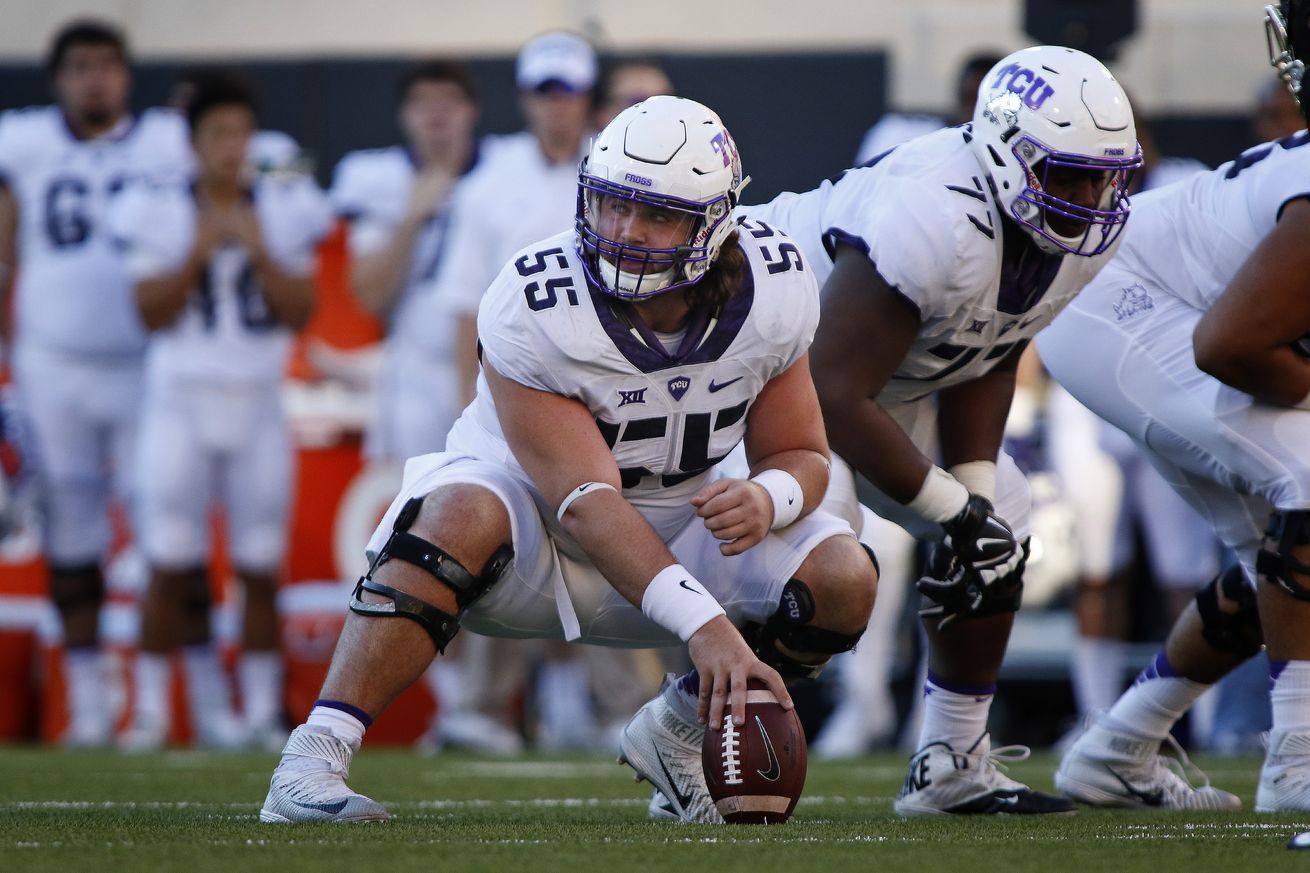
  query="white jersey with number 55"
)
[{"x": 669, "y": 407}]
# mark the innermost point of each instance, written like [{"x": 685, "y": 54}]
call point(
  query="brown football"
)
[{"x": 755, "y": 772}]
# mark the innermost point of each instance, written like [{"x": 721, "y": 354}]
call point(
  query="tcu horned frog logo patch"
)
[{"x": 1133, "y": 301}]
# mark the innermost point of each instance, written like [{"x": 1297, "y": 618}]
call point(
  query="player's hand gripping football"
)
[
  {"x": 979, "y": 550},
  {"x": 726, "y": 664},
  {"x": 735, "y": 510}
]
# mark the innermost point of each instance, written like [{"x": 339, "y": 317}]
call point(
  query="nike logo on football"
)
[
  {"x": 719, "y": 386},
  {"x": 683, "y": 800},
  {"x": 330, "y": 808},
  {"x": 683, "y": 584},
  {"x": 774, "y": 771}
]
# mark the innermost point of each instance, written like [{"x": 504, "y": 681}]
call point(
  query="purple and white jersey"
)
[
  {"x": 925, "y": 216},
  {"x": 1210, "y": 223},
  {"x": 668, "y": 416},
  {"x": 226, "y": 334},
  {"x": 73, "y": 292}
]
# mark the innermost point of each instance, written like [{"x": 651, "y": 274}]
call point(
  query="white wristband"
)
[
  {"x": 978, "y": 476},
  {"x": 676, "y": 601},
  {"x": 941, "y": 497},
  {"x": 784, "y": 491},
  {"x": 581, "y": 491}
]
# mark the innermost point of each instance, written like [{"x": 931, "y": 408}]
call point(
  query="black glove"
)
[{"x": 978, "y": 550}]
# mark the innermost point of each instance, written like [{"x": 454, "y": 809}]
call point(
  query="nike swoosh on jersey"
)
[
  {"x": 775, "y": 770},
  {"x": 719, "y": 386}
]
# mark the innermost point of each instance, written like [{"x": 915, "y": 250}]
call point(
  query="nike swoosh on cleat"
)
[
  {"x": 1149, "y": 798},
  {"x": 774, "y": 771},
  {"x": 719, "y": 386},
  {"x": 330, "y": 808},
  {"x": 684, "y": 800}
]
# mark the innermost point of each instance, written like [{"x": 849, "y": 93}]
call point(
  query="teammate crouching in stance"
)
[{"x": 621, "y": 362}]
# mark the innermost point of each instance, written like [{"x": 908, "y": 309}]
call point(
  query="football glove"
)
[{"x": 978, "y": 551}]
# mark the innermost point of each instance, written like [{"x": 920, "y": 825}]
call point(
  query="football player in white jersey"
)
[
  {"x": 397, "y": 202},
  {"x": 580, "y": 495},
  {"x": 78, "y": 340},
  {"x": 223, "y": 271},
  {"x": 942, "y": 259},
  {"x": 1192, "y": 341}
]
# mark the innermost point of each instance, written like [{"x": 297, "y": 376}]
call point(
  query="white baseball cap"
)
[{"x": 560, "y": 58}]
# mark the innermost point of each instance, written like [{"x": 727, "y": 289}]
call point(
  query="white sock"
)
[
  {"x": 957, "y": 718},
  {"x": 259, "y": 675},
  {"x": 151, "y": 675},
  {"x": 1156, "y": 700},
  {"x": 209, "y": 697},
  {"x": 1098, "y": 669},
  {"x": 683, "y": 695},
  {"x": 339, "y": 723},
  {"x": 85, "y": 676},
  {"x": 446, "y": 679},
  {"x": 564, "y": 701},
  {"x": 1290, "y": 697}
]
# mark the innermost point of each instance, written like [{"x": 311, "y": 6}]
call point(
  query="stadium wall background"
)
[{"x": 797, "y": 117}]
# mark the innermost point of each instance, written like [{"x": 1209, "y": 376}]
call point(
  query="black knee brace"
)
[
  {"x": 77, "y": 587},
  {"x": 1288, "y": 530},
  {"x": 1237, "y": 633},
  {"x": 790, "y": 626},
  {"x": 403, "y": 546}
]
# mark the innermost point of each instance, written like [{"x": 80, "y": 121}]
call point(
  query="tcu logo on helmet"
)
[
  {"x": 721, "y": 147},
  {"x": 1025, "y": 82}
]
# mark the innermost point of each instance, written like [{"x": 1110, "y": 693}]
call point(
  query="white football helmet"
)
[
  {"x": 676, "y": 156},
  {"x": 1048, "y": 107}
]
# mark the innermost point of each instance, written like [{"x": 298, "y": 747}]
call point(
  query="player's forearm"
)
[
  {"x": 868, "y": 439},
  {"x": 290, "y": 298},
  {"x": 971, "y": 417},
  {"x": 810, "y": 469},
  {"x": 378, "y": 277},
  {"x": 1279, "y": 375},
  {"x": 635, "y": 561},
  {"x": 161, "y": 300}
]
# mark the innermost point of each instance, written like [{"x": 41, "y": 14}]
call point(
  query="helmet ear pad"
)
[
  {"x": 1048, "y": 107},
  {"x": 671, "y": 154}
]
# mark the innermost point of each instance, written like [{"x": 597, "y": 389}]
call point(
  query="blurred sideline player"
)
[
  {"x": 223, "y": 268},
  {"x": 78, "y": 340},
  {"x": 524, "y": 191},
  {"x": 941, "y": 260},
  {"x": 1193, "y": 342},
  {"x": 622, "y": 360},
  {"x": 894, "y": 128},
  {"x": 269, "y": 150},
  {"x": 397, "y": 201},
  {"x": 626, "y": 83},
  {"x": 1116, "y": 491}
]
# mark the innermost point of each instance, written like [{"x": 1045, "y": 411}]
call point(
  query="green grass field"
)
[{"x": 196, "y": 812}]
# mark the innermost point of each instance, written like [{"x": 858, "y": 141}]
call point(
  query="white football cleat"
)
[
  {"x": 943, "y": 781},
  {"x": 665, "y": 750},
  {"x": 309, "y": 784},
  {"x": 1108, "y": 766},
  {"x": 1285, "y": 776}
]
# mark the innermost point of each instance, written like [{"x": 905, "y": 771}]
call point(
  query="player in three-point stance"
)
[{"x": 941, "y": 259}]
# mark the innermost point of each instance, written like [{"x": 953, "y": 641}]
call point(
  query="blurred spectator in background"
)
[
  {"x": 78, "y": 340},
  {"x": 269, "y": 150},
  {"x": 223, "y": 265},
  {"x": 397, "y": 202},
  {"x": 524, "y": 191},
  {"x": 626, "y": 83},
  {"x": 894, "y": 128}
]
